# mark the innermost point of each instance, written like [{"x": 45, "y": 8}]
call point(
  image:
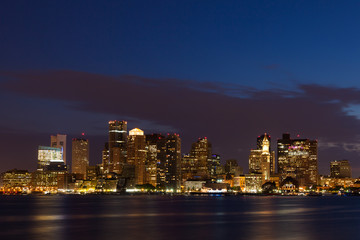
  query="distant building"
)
[
  {"x": 46, "y": 155},
  {"x": 213, "y": 164},
  {"x": 230, "y": 166},
  {"x": 298, "y": 158},
  {"x": 260, "y": 159},
  {"x": 117, "y": 146},
  {"x": 105, "y": 156},
  {"x": 136, "y": 154},
  {"x": 15, "y": 180},
  {"x": 201, "y": 152},
  {"x": 59, "y": 141},
  {"x": 154, "y": 143},
  {"x": 253, "y": 182},
  {"x": 260, "y": 145},
  {"x": 80, "y": 156},
  {"x": 340, "y": 169},
  {"x": 170, "y": 162}
]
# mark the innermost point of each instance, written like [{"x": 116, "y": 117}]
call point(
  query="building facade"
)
[
  {"x": 298, "y": 158},
  {"x": 80, "y": 156},
  {"x": 59, "y": 141}
]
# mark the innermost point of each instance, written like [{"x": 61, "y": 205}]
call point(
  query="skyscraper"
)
[
  {"x": 260, "y": 140},
  {"x": 201, "y": 152},
  {"x": 260, "y": 158},
  {"x": 136, "y": 154},
  {"x": 340, "y": 169},
  {"x": 297, "y": 158},
  {"x": 80, "y": 156},
  {"x": 59, "y": 141},
  {"x": 153, "y": 149},
  {"x": 170, "y": 162},
  {"x": 117, "y": 146}
]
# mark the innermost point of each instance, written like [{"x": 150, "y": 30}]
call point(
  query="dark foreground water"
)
[{"x": 178, "y": 217}]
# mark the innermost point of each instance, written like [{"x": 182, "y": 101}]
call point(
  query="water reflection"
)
[{"x": 165, "y": 217}]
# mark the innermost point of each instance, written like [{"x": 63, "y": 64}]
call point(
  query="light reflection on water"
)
[{"x": 165, "y": 217}]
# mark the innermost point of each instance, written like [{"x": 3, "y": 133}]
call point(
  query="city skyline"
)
[{"x": 227, "y": 71}]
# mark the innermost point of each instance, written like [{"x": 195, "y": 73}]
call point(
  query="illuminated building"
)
[
  {"x": 46, "y": 155},
  {"x": 117, "y": 146},
  {"x": 153, "y": 147},
  {"x": 340, "y": 169},
  {"x": 213, "y": 164},
  {"x": 170, "y": 163},
  {"x": 15, "y": 180},
  {"x": 297, "y": 158},
  {"x": 51, "y": 178},
  {"x": 260, "y": 158},
  {"x": 253, "y": 182},
  {"x": 201, "y": 151},
  {"x": 193, "y": 185},
  {"x": 59, "y": 141},
  {"x": 80, "y": 156},
  {"x": 188, "y": 167},
  {"x": 260, "y": 145},
  {"x": 136, "y": 154},
  {"x": 105, "y": 158},
  {"x": 92, "y": 172}
]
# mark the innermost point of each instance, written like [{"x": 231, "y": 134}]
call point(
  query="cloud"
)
[{"x": 230, "y": 115}]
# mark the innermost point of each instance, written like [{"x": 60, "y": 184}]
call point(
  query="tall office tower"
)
[
  {"x": 136, "y": 154},
  {"x": 47, "y": 156},
  {"x": 188, "y": 168},
  {"x": 340, "y": 169},
  {"x": 80, "y": 156},
  {"x": 153, "y": 145},
  {"x": 172, "y": 165},
  {"x": 59, "y": 141},
  {"x": 201, "y": 151},
  {"x": 105, "y": 158},
  {"x": 259, "y": 159},
  {"x": 117, "y": 146},
  {"x": 298, "y": 159},
  {"x": 255, "y": 161},
  {"x": 260, "y": 140},
  {"x": 213, "y": 163}
]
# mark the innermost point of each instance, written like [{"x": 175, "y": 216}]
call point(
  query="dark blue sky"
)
[{"x": 233, "y": 70}]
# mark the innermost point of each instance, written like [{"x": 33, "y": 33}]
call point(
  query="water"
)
[{"x": 178, "y": 217}]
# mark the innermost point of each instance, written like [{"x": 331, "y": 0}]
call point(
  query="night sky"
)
[{"x": 227, "y": 70}]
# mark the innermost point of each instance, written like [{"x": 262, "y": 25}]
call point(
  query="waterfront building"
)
[
  {"x": 298, "y": 158},
  {"x": 340, "y": 169},
  {"x": 80, "y": 156},
  {"x": 136, "y": 154},
  {"x": 59, "y": 141},
  {"x": 14, "y": 181},
  {"x": 260, "y": 159},
  {"x": 253, "y": 182}
]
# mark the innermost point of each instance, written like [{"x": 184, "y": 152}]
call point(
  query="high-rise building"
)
[
  {"x": 260, "y": 141},
  {"x": 340, "y": 169},
  {"x": 80, "y": 156},
  {"x": 297, "y": 158},
  {"x": 213, "y": 164},
  {"x": 59, "y": 141},
  {"x": 260, "y": 158},
  {"x": 170, "y": 162},
  {"x": 201, "y": 152},
  {"x": 136, "y": 154},
  {"x": 153, "y": 148},
  {"x": 48, "y": 155},
  {"x": 117, "y": 146}
]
